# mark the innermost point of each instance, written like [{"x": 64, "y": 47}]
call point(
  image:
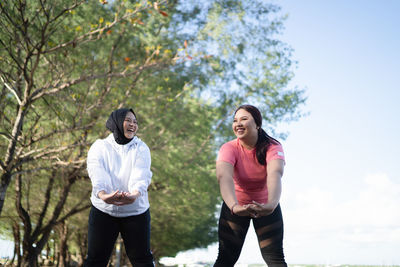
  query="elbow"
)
[
  {"x": 277, "y": 172},
  {"x": 223, "y": 177},
  {"x": 220, "y": 177}
]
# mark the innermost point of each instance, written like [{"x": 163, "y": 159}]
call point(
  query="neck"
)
[{"x": 249, "y": 143}]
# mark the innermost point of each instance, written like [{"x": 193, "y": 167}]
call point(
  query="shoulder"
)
[
  {"x": 275, "y": 151},
  {"x": 228, "y": 150},
  {"x": 142, "y": 146},
  {"x": 97, "y": 149},
  {"x": 230, "y": 145},
  {"x": 275, "y": 146},
  {"x": 100, "y": 145}
]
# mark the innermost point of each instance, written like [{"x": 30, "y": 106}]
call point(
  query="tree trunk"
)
[
  {"x": 29, "y": 259},
  {"x": 57, "y": 254},
  {"x": 17, "y": 244},
  {"x": 63, "y": 234},
  {"x": 48, "y": 251},
  {"x": 82, "y": 241},
  {"x": 5, "y": 181},
  {"x": 9, "y": 156},
  {"x": 29, "y": 256}
]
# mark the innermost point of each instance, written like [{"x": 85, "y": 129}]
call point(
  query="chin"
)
[{"x": 129, "y": 136}]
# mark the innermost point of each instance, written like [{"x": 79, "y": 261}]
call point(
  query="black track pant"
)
[
  {"x": 232, "y": 230},
  {"x": 103, "y": 231}
]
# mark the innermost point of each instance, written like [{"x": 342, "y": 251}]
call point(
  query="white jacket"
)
[{"x": 124, "y": 167}]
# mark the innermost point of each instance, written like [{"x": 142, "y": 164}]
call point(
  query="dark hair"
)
[{"x": 263, "y": 140}]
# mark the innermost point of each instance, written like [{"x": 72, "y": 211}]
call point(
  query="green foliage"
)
[{"x": 244, "y": 61}]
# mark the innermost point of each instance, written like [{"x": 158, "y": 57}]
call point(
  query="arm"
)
[
  {"x": 100, "y": 178},
  {"x": 227, "y": 188},
  {"x": 274, "y": 174},
  {"x": 138, "y": 181},
  {"x": 141, "y": 174},
  {"x": 95, "y": 166}
]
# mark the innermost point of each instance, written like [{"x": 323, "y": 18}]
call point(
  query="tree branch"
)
[
  {"x": 90, "y": 34},
  {"x": 66, "y": 10},
  {"x": 42, "y": 91},
  {"x": 45, "y": 206},
  {"x": 59, "y": 131},
  {"x": 2, "y": 166},
  {"x": 12, "y": 90},
  {"x": 44, "y": 152},
  {"x": 23, "y": 214},
  {"x": 73, "y": 211}
]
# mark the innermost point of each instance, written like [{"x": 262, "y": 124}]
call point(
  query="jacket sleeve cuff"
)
[{"x": 97, "y": 189}]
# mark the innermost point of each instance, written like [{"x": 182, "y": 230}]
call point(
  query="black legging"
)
[
  {"x": 103, "y": 231},
  {"x": 232, "y": 230}
]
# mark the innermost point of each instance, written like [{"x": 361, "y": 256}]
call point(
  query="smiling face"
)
[
  {"x": 244, "y": 126},
  {"x": 130, "y": 125}
]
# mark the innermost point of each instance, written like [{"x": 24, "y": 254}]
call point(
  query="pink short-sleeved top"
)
[{"x": 250, "y": 177}]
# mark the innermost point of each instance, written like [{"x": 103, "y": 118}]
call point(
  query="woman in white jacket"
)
[{"x": 119, "y": 168}]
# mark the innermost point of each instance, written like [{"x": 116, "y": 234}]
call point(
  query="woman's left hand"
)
[
  {"x": 128, "y": 198},
  {"x": 260, "y": 209}
]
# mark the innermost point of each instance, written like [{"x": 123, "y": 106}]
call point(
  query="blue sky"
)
[{"x": 341, "y": 187}]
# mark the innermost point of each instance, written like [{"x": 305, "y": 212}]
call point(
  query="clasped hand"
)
[
  {"x": 118, "y": 198},
  {"x": 255, "y": 209}
]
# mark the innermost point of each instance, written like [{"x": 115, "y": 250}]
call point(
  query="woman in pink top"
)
[{"x": 249, "y": 172}]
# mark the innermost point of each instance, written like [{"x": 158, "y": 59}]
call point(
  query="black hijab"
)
[{"x": 115, "y": 124}]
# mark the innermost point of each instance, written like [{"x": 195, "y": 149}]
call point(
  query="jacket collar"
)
[{"x": 134, "y": 142}]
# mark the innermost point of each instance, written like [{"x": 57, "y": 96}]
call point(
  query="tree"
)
[
  {"x": 49, "y": 49},
  {"x": 246, "y": 61},
  {"x": 60, "y": 70}
]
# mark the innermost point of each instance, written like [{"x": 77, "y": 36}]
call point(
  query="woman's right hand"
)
[
  {"x": 242, "y": 210},
  {"x": 111, "y": 198}
]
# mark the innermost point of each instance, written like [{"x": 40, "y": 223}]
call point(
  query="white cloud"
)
[
  {"x": 375, "y": 203},
  {"x": 320, "y": 221}
]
